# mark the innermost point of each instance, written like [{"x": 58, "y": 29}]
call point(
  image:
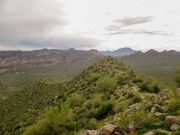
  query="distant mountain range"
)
[
  {"x": 120, "y": 52},
  {"x": 13, "y": 59},
  {"x": 161, "y": 65}
]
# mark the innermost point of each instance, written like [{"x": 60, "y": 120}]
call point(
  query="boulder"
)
[
  {"x": 159, "y": 114},
  {"x": 108, "y": 129},
  {"x": 135, "y": 106},
  {"x": 149, "y": 133},
  {"x": 175, "y": 127},
  {"x": 90, "y": 132},
  {"x": 172, "y": 120},
  {"x": 153, "y": 109},
  {"x": 164, "y": 132}
]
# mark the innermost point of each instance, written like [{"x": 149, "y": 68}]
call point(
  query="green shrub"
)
[
  {"x": 137, "y": 118},
  {"x": 136, "y": 99},
  {"x": 41, "y": 128},
  {"x": 92, "y": 124},
  {"x": 106, "y": 83},
  {"x": 93, "y": 77},
  {"x": 58, "y": 120},
  {"x": 144, "y": 86},
  {"x": 101, "y": 111},
  {"x": 154, "y": 88},
  {"x": 174, "y": 104},
  {"x": 118, "y": 108},
  {"x": 74, "y": 100},
  {"x": 137, "y": 80},
  {"x": 149, "y": 87},
  {"x": 132, "y": 74},
  {"x": 122, "y": 80}
]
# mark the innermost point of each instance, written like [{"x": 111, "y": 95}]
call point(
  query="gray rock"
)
[
  {"x": 135, "y": 106},
  {"x": 159, "y": 114},
  {"x": 172, "y": 120},
  {"x": 153, "y": 109},
  {"x": 108, "y": 129},
  {"x": 150, "y": 133},
  {"x": 90, "y": 132},
  {"x": 175, "y": 127}
]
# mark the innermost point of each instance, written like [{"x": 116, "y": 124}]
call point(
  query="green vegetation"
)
[
  {"x": 58, "y": 120},
  {"x": 106, "y": 84},
  {"x": 106, "y": 92},
  {"x": 174, "y": 102},
  {"x": 21, "y": 108},
  {"x": 177, "y": 79},
  {"x": 149, "y": 87},
  {"x": 137, "y": 119},
  {"x": 22, "y": 77}
]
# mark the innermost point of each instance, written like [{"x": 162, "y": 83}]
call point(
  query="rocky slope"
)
[{"x": 109, "y": 99}]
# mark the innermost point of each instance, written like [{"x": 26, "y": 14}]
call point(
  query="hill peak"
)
[
  {"x": 119, "y": 52},
  {"x": 151, "y": 51}
]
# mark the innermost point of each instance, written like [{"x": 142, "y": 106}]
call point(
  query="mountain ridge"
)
[
  {"x": 162, "y": 65},
  {"x": 13, "y": 59}
]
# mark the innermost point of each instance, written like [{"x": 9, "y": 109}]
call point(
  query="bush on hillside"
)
[
  {"x": 106, "y": 83},
  {"x": 93, "y": 77},
  {"x": 103, "y": 110},
  {"x": 137, "y": 80},
  {"x": 149, "y": 87},
  {"x": 99, "y": 108},
  {"x": 122, "y": 80},
  {"x": 154, "y": 88},
  {"x": 74, "y": 100},
  {"x": 59, "y": 120},
  {"x": 137, "y": 118},
  {"x": 174, "y": 103}
]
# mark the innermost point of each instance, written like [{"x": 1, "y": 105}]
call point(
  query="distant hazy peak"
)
[{"x": 120, "y": 52}]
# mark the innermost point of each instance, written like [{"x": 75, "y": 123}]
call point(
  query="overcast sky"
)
[{"x": 90, "y": 24}]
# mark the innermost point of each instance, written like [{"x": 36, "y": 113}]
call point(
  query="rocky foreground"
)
[{"x": 110, "y": 129}]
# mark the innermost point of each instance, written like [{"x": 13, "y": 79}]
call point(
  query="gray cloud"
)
[
  {"x": 21, "y": 19},
  {"x": 120, "y": 26},
  {"x": 147, "y": 32},
  {"x": 60, "y": 42},
  {"x": 29, "y": 23},
  {"x": 128, "y": 21},
  {"x": 134, "y": 20}
]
